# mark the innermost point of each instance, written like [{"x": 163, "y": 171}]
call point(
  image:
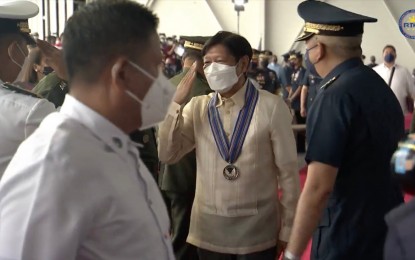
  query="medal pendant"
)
[{"x": 230, "y": 172}]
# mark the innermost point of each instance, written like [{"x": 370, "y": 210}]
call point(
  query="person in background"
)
[
  {"x": 372, "y": 62},
  {"x": 33, "y": 70},
  {"x": 21, "y": 110},
  {"x": 253, "y": 65},
  {"x": 311, "y": 86},
  {"x": 170, "y": 67},
  {"x": 178, "y": 180},
  {"x": 274, "y": 66},
  {"x": 270, "y": 79},
  {"x": 105, "y": 203},
  {"x": 353, "y": 128},
  {"x": 286, "y": 72},
  {"x": 400, "y": 81},
  {"x": 401, "y": 231},
  {"x": 294, "y": 96},
  {"x": 237, "y": 213}
]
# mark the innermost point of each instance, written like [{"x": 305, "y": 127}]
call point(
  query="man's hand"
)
[
  {"x": 303, "y": 112},
  {"x": 281, "y": 245},
  {"x": 288, "y": 102},
  {"x": 185, "y": 86},
  {"x": 54, "y": 58}
]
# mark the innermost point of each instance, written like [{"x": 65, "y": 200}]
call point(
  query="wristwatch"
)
[{"x": 289, "y": 256}]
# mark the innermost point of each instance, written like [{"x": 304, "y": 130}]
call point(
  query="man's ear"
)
[
  {"x": 119, "y": 77},
  {"x": 244, "y": 61},
  {"x": 321, "y": 49}
]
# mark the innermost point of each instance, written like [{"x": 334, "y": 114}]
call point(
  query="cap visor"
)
[{"x": 304, "y": 36}]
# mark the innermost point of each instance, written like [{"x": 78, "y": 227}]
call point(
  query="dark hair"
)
[
  {"x": 389, "y": 46},
  {"x": 103, "y": 30},
  {"x": 237, "y": 45},
  {"x": 192, "y": 54}
]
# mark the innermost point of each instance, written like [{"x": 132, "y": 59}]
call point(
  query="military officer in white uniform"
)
[
  {"x": 21, "y": 111},
  {"x": 77, "y": 188}
]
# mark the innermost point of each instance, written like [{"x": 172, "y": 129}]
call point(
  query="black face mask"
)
[{"x": 47, "y": 70}]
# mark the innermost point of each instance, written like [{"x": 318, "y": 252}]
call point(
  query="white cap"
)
[{"x": 18, "y": 9}]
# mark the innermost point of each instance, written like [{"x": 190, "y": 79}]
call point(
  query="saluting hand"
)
[
  {"x": 185, "y": 86},
  {"x": 54, "y": 58}
]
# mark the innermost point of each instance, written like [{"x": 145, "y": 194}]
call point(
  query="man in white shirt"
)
[
  {"x": 401, "y": 82},
  {"x": 273, "y": 65},
  {"x": 245, "y": 150},
  {"x": 77, "y": 188},
  {"x": 21, "y": 111}
]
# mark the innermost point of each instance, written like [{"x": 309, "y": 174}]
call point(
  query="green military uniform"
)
[
  {"x": 54, "y": 89},
  {"x": 178, "y": 181}
]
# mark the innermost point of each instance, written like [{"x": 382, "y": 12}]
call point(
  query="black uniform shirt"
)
[{"x": 355, "y": 125}]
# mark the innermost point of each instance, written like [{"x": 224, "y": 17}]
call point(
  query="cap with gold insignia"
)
[
  {"x": 295, "y": 55},
  {"x": 14, "y": 17},
  {"x": 194, "y": 42},
  {"x": 325, "y": 19}
]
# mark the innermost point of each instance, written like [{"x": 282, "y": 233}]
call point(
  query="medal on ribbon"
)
[{"x": 230, "y": 151}]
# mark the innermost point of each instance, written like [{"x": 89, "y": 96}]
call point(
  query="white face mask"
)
[
  {"x": 221, "y": 77},
  {"x": 156, "y": 102}
]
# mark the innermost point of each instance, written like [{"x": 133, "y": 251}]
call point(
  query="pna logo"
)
[{"x": 407, "y": 24}]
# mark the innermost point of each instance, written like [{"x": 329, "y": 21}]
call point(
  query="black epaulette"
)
[
  {"x": 328, "y": 83},
  {"x": 19, "y": 90}
]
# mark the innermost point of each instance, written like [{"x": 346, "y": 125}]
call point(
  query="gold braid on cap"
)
[
  {"x": 193, "y": 45},
  {"x": 315, "y": 27},
  {"x": 23, "y": 27}
]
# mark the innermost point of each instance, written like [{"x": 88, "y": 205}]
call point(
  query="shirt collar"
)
[
  {"x": 101, "y": 127},
  {"x": 238, "y": 97},
  {"x": 387, "y": 68},
  {"x": 339, "y": 69}
]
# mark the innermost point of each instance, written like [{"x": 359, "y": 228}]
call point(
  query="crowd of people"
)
[{"x": 155, "y": 147}]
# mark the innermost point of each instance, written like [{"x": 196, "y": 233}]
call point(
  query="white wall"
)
[{"x": 186, "y": 17}]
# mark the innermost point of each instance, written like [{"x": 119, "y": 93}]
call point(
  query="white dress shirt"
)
[
  {"x": 402, "y": 84},
  {"x": 244, "y": 215},
  {"x": 77, "y": 189},
  {"x": 20, "y": 116}
]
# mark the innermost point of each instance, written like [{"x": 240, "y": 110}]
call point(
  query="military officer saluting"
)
[
  {"x": 21, "y": 111},
  {"x": 351, "y": 135},
  {"x": 178, "y": 180}
]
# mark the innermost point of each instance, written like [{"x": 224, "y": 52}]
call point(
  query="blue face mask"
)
[
  {"x": 310, "y": 66},
  {"x": 389, "y": 58}
]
